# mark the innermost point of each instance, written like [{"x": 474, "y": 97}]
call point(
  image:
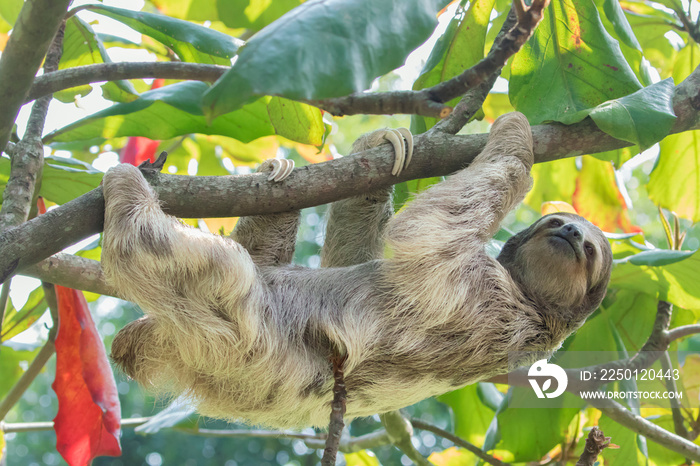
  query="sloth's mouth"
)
[{"x": 561, "y": 239}]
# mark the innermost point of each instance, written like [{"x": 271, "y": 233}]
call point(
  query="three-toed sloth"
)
[{"x": 412, "y": 302}]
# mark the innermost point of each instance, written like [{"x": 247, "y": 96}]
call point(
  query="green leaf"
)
[
  {"x": 658, "y": 257},
  {"x": 570, "y": 61},
  {"x": 330, "y": 47},
  {"x": 253, "y": 14},
  {"x": 675, "y": 182},
  {"x": 12, "y": 365},
  {"x": 471, "y": 416},
  {"x": 65, "y": 179},
  {"x": 361, "y": 458},
  {"x": 643, "y": 118},
  {"x": 191, "y": 42},
  {"x": 620, "y": 435},
  {"x": 460, "y": 47},
  {"x": 17, "y": 321},
  {"x": 675, "y": 282},
  {"x": 9, "y": 10},
  {"x": 531, "y": 433},
  {"x": 554, "y": 181},
  {"x": 81, "y": 46},
  {"x": 174, "y": 111}
]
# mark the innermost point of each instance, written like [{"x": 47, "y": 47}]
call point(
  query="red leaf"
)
[
  {"x": 88, "y": 420},
  {"x": 138, "y": 149}
]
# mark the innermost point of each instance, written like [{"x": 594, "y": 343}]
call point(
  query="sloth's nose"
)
[{"x": 571, "y": 231}]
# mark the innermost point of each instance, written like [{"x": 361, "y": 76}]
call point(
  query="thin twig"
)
[
  {"x": 336, "y": 425},
  {"x": 683, "y": 331},
  {"x": 418, "y": 424},
  {"x": 474, "y": 98},
  {"x": 678, "y": 421}
]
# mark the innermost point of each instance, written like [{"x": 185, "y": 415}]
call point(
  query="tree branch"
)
[
  {"x": 427, "y": 102},
  {"x": 400, "y": 432},
  {"x": 31, "y": 36},
  {"x": 418, "y": 424},
  {"x": 81, "y": 75},
  {"x": 435, "y": 154}
]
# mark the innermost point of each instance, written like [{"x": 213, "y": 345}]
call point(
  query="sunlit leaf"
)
[
  {"x": 460, "y": 47},
  {"x": 676, "y": 282},
  {"x": 17, "y": 321},
  {"x": 554, "y": 181},
  {"x": 553, "y": 207},
  {"x": 65, "y": 179},
  {"x": 81, "y": 46},
  {"x": 471, "y": 416},
  {"x": 598, "y": 198},
  {"x": 675, "y": 182},
  {"x": 9, "y": 10},
  {"x": 13, "y": 363},
  {"x": 88, "y": 421},
  {"x": 191, "y": 42},
  {"x": 453, "y": 456},
  {"x": 571, "y": 61},
  {"x": 331, "y": 48},
  {"x": 361, "y": 458},
  {"x": 253, "y": 14},
  {"x": 174, "y": 111}
]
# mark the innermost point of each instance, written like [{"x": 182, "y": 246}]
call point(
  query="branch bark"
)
[
  {"x": 31, "y": 36},
  {"x": 435, "y": 154}
]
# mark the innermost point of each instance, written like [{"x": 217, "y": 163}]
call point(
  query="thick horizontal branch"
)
[{"x": 435, "y": 154}]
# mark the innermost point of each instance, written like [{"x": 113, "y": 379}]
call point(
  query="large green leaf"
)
[
  {"x": 570, "y": 64},
  {"x": 675, "y": 182},
  {"x": 191, "y": 42},
  {"x": 9, "y": 10},
  {"x": 65, "y": 179},
  {"x": 471, "y": 416},
  {"x": 554, "y": 181},
  {"x": 174, "y": 111},
  {"x": 676, "y": 282},
  {"x": 530, "y": 433},
  {"x": 324, "y": 48}
]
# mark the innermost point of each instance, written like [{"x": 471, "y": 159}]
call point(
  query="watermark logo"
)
[{"x": 541, "y": 369}]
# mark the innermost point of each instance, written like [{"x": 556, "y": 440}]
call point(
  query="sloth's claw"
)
[
  {"x": 402, "y": 154},
  {"x": 279, "y": 169}
]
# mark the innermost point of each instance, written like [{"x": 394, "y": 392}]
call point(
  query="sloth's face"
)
[{"x": 562, "y": 259}]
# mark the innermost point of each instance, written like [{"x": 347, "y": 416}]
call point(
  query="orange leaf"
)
[
  {"x": 552, "y": 207},
  {"x": 598, "y": 198},
  {"x": 88, "y": 420}
]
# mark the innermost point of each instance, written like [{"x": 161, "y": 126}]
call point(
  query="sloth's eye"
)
[
  {"x": 590, "y": 250},
  {"x": 555, "y": 222}
]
